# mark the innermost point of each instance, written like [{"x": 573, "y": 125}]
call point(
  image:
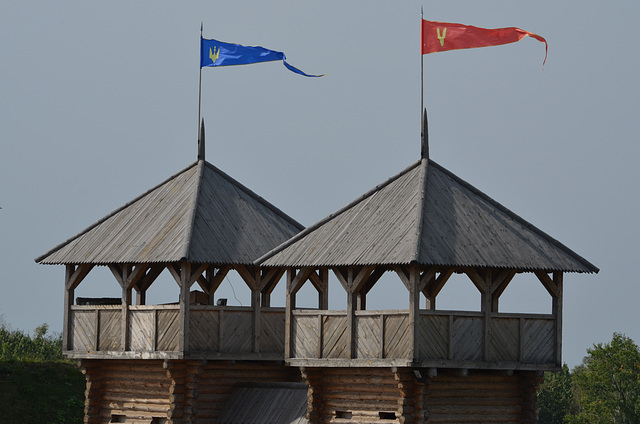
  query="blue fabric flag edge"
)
[{"x": 218, "y": 53}]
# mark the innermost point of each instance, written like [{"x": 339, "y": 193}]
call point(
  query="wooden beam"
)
[
  {"x": 426, "y": 277},
  {"x": 299, "y": 279},
  {"x": 435, "y": 285},
  {"x": 153, "y": 272},
  {"x": 499, "y": 285},
  {"x": 361, "y": 277},
  {"x": 174, "y": 269},
  {"x": 341, "y": 274},
  {"x": 375, "y": 276},
  {"x": 212, "y": 279},
  {"x": 195, "y": 275},
  {"x": 548, "y": 283},
  {"x": 478, "y": 279},
  {"x": 403, "y": 273},
  {"x": 77, "y": 275},
  {"x": 250, "y": 275}
]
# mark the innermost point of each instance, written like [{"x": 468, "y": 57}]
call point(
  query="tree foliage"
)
[
  {"x": 604, "y": 389},
  {"x": 608, "y": 383},
  {"x": 555, "y": 397},
  {"x": 15, "y": 345}
]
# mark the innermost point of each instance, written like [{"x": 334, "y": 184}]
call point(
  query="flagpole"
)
[
  {"x": 424, "y": 136},
  {"x": 421, "y": 66},
  {"x": 200, "y": 83}
]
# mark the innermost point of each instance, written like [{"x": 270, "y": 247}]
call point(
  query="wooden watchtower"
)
[
  {"x": 195, "y": 361},
  {"x": 150, "y": 363},
  {"x": 423, "y": 365}
]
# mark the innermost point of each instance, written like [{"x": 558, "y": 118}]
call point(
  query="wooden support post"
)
[
  {"x": 73, "y": 277},
  {"x": 414, "y": 310},
  {"x": 351, "y": 320},
  {"x": 141, "y": 297},
  {"x": 288, "y": 322},
  {"x": 126, "y": 303},
  {"x": 183, "y": 338},
  {"x": 67, "y": 325},
  {"x": 323, "y": 295},
  {"x": 557, "y": 313},
  {"x": 486, "y": 310},
  {"x": 255, "y": 332}
]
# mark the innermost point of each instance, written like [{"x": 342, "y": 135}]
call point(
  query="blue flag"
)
[{"x": 217, "y": 53}]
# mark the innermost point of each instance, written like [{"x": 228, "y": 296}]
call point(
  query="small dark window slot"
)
[
  {"x": 118, "y": 418},
  {"x": 344, "y": 414},
  {"x": 387, "y": 415}
]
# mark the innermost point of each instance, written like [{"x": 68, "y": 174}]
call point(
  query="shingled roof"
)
[
  {"x": 200, "y": 214},
  {"x": 426, "y": 215}
]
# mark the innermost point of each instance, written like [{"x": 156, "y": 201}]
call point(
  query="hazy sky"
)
[{"x": 99, "y": 103}]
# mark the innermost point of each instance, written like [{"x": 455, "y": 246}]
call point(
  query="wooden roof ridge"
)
[
  {"x": 194, "y": 208},
  {"x": 255, "y": 196},
  {"x": 424, "y": 164},
  {"x": 516, "y": 217},
  {"x": 116, "y": 211},
  {"x": 332, "y": 216}
]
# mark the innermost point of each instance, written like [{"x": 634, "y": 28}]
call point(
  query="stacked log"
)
[
  {"x": 355, "y": 395},
  {"x": 480, "y": 397}
]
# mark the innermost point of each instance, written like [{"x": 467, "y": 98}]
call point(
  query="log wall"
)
[
  {"x": 481, "y": 397},
  {"x": 169, "y": 392},
  {"x": 394, "y": 395},
  {"x": 188, "y": 391}
]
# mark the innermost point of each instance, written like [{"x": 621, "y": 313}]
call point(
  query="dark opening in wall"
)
[
  {"x": 387, "y": 415},
  {"x": 344, "y": 414},
  {"x": 115, "y": 418}
]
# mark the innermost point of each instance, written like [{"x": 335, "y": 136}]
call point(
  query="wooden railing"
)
[
  {"x": 442, "y": 337},
  {"x": 212, "y": 330}
]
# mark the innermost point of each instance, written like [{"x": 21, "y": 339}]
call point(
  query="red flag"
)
[{"x": 442, "y": 36}]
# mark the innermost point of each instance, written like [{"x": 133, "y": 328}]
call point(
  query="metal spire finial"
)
[
  {"x": 424, "y": 151},
  {"x": 201, "y": 142}
]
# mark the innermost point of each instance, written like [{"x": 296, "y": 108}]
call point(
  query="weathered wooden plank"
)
[
  {"x": 272, "y": 331},
  {"x": 141, "y": 334},
  {"x": 204, "y": 329},
  {"x": 397, "y": 340},
  {"x": 467, "y": 338},
  {"x": 334, "y": 339},
  {"x": 168, "y": 329},
  {"x": 504, "y": 339},
  {"x": 305, "y": 335},
  {"x": 434, "y": 337},
  {"x": 368, "y": 337},
  {"x": 109, "y": 327},
  {"x": 539, "y": 341},
  {"x": 83, "y": 329},
  {"x": 237, "y": 330}
]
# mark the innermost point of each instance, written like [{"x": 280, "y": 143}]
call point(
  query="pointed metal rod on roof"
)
[
  {"x": 424, "y": 150},
  {"x": 201, "y": 142}
]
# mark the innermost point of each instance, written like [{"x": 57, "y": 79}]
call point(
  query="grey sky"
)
[{"x": 99, "y": 104}]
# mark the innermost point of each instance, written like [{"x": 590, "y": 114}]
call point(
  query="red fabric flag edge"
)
[{"x": 443, "y": 36}]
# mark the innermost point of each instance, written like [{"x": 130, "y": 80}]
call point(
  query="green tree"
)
[
  {"x": 555, "y": 397},
  {"x": 607, "y": 383}
]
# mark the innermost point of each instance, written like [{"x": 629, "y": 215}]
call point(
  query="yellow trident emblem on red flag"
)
[{"x": 441, "y": 37}]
